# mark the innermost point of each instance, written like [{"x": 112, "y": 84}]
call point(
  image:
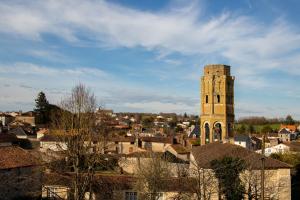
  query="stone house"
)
[
  {"x": 107, "y": 186},
  {"x": 292, "y": 147},
  {"x": 277, "y": 181},
  {"x": 155, "y": 144},
  {"x": 248, "y": 142},
  {"x": 280, "y": 148},
  {"x": 286, "y": 135},
  {"x": 131, "y": 162},
  {"x": 20, "y": 174},
  {"x": 121, "y": 145},
  {"x": 52, "y": 143},
  {"x": 5, "y": 119},
  {"x": 242, "y": 140},
  {"x": 292, "y": 128},
  {"x": 27, "y": 118}
]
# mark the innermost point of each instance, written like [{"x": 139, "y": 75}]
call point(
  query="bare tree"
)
[
  {"x": 203, "y": 182},
  {"x": 151, "y": 176},
  {"x": 75, "y": 125},
  {"x": 252, "y": 181}
]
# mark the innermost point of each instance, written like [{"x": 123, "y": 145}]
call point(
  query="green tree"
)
[
  {"x": 147, "y": 122},
  {"x": 289, "y": 120},
  {"x": 251, "y": 129},
  {"x": 241, "y": 129},
  {"x": 266, "y": 129},
  {"x": 227, "y": 172},
  {"x": 42, "y": 109}
]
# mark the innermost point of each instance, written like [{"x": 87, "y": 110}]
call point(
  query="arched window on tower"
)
[
  {"x": 206, "y": 99},
  {"x": 218, "y": 98},
  {"x": 218, "y": 132},
  {"x": 207, "y": 132}
]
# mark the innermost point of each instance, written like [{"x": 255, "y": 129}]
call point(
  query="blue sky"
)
[{"x": 148, "y": 56}]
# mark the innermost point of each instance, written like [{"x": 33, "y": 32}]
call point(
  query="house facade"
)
[
  {"x": 286, "y": 135},
  {"x": 20, "y": 174}
]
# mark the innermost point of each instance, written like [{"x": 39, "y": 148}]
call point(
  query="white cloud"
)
[
  {"x": 252, "y": 47},
  {"x": 33, "y": 69},
  {"x": 242, "y": 40},
  {"x": 157, "y": 106},
  {"x": 24, "y": 80}
]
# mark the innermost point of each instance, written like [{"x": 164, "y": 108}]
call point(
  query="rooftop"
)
[
  {"x": 167, "y": 140},
  {"x": 213, "y": 151},
  {"x": 15, "y": 157}
]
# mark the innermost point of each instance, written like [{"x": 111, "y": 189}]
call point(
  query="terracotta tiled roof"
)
[
  {"x": 144, "y": 154},
  {"x": 122, "y": 139},
  {"x": 57, "y": 179},
  {"x": 206, "y": 153},
  {"x": 14, "y": 157},
  {"x": 157, "y": 139},
  {"x": 290, "y": 127}
]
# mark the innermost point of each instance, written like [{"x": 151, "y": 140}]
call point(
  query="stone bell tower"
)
[{"x": 217, "y": 104}]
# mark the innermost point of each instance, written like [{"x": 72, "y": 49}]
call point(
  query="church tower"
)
[{"x": 217, "y": 104}]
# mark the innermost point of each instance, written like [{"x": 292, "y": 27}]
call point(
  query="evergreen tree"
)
[
  {"x": 185, "y": 115},
  {"x": 227, "y": 172},
  {"x": 42, "y": 108}
]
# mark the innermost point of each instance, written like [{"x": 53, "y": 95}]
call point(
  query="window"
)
[
  {"x": 218, "y": 98},
  {"x": 206, "y": 98},
  {"x": 207, "y": 132},
  {"x": 130, "y": 196}
]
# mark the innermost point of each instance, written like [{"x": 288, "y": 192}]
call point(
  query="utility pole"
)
[{"x": 263, "y": 168}]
